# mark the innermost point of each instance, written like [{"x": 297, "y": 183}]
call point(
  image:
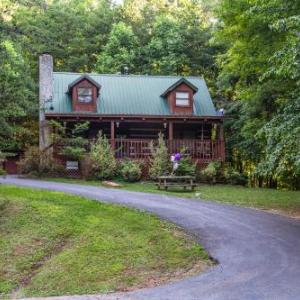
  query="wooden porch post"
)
[
  {"x": 112, "y": 134},
  {"x": 171, "y": 137},
  {"x": 222, "y": 144}
]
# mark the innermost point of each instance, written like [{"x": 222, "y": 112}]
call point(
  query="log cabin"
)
[{"x": 131, "y": 110}]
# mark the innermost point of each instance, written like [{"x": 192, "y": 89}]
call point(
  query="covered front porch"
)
[{"x": 131, "y": 138}]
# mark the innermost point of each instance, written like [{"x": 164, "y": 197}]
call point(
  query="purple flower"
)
[{"x": 177, "y": 156}]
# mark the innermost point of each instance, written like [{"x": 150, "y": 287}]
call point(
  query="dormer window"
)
[
  {"x": 84, "y": 92},
  {"x": 85, "y": 95},
  {"x": 182, "y": 99}
]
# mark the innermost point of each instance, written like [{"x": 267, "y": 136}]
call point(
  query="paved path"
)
[{"x": 259, "y": 253}]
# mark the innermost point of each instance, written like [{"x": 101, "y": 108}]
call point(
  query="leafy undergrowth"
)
[
  {"x": 52, "y": 243},
  {"x": 286, "y": 202}
]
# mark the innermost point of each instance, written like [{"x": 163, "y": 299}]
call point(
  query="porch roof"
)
[{"x": 130, "y": 95}]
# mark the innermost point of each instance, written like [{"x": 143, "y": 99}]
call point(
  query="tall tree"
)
[
  {"x": 120, "y": 50},
  {"x": 166, "y": 50},
  {"x": 17, "y": 99},
  {"x": 256, "y": 34},
  {"x": 73, "y": 32}
]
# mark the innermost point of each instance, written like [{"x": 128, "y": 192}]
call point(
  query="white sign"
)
[{"x": 72, "y": 165}]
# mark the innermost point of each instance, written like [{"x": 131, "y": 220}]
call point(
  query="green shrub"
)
[
  {"x": 102, "y": 157},
  {"x": 73, "y": 152},
  {"x": 211, "y": 172},
  {"x": 72, "y": 142},
  {"x": 216, "y": 172},
  {"x": 234, "y": 177},
  {"x": 131, "y": 171},
  {"x": 40, "y": 163},
  {"x": 186, "y": 167},
  {"x": 160, "y": 163}
]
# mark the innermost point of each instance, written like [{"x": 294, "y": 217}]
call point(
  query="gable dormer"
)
[
  {"x": 84, "y": 92},
  {"x": 180, "y": 97}
]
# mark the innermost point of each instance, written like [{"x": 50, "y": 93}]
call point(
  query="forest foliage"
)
[
  {"x": 260, "y": 77},
  {"x": 248, "y": 52}
]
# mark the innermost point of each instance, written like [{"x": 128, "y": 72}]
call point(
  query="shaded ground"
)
[
  {"x": 258, "y": 252},
  {"x": 52, "y": 243}
]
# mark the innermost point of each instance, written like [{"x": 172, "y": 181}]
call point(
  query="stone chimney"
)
[{"x": 45, "y": 95}]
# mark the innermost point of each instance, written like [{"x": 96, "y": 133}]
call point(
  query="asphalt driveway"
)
[{"x": 258, "y": 252}]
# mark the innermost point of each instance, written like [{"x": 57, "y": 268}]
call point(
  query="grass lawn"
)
[
  {"x": 52, "y": 243},
  {"x": 287, "y": 202}
]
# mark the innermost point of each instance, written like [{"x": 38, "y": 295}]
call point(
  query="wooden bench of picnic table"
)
[{"x": 180, "y": 181}]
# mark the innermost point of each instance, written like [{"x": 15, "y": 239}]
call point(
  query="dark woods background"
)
[{"x": 248, "y": 52}]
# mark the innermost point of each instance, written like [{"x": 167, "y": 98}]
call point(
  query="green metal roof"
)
[
  {"x": 130, "y": 94},
  {"x": 177, "y": 83}
]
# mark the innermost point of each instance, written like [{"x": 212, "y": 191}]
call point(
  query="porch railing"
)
[{"x": 203, "y": 150}]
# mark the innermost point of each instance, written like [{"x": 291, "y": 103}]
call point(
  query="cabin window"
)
[
  {"x": 85, "y": 95},
  {"x": 182, "y": 99}
]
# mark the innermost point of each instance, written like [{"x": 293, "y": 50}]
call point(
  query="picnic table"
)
[{"x": 180, "y": 181}]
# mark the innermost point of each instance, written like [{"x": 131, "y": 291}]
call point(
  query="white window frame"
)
[
  {"x": 182, "y": 99},
  {"x": 90, "y": 94}
]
